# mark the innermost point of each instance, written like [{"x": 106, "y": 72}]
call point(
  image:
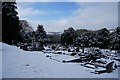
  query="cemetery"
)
[
  {"x": 60, "y": 40},
  {"x": 101, "y": 60}
]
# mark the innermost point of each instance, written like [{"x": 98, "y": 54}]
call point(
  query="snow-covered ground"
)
[{"x": 17, "y": 63}]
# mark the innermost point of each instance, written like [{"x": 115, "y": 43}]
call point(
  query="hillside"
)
[{"x": 17, "y": 63}]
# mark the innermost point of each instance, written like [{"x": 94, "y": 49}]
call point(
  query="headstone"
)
[
  {"x": 82, "y": 49},
  {"x": 109, "y": 67}
]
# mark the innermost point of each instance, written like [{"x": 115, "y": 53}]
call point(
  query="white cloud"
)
[
  {"x": 53, "y": 25},
  {"x": 93, "y": 0},
  {"x": 27, "y": 12},
  {"x": 90, "y": 16},
  {"x": 42, "y": 0},
  {"x": 100, "y": 15}
]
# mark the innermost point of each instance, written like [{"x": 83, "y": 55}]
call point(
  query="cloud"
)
[
  {"x": 100, "y": 15},
  {"x": 53, "y": 25},
  {"x": 42, "y": 0},
  {"x": 28, "y": 12},
  {"x": 90, "y": 16},
  {"x": 93, "y": 0}
]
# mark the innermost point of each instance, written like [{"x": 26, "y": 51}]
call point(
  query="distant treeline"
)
[{"x": 102, "y": 38}]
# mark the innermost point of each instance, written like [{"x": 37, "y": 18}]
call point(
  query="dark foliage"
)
[
  {"x": 10, "y": 23},
  {"x": 40, "y": 33},
  {"x": 25, "y": 31},
  {"x": 54, "y": 38},
  {"x": 68, "y": 36},
  {"x": 115, "y": 39},
  {"x": 101, "y": 38},
  {"x": 84, "y": 40}
]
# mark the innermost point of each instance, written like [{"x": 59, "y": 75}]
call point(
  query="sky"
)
[{"x": 58, "y": 16}]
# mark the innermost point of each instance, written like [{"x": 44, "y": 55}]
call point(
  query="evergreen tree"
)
[
  {"x": 101, "y": 38},
  {"x": 115, "y": 39},
  {"x": 26, "y": 30},
  {"x": 40, "y": 33},
  {"x": 84, "y": 40},
  {"x": 68, "y": 36},
  {"x": 10, "y": 22}
]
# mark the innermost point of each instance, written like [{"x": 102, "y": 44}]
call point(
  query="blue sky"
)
[
  {"x": 57, "y": 16},
  {"x": 52, "y": 10}
]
